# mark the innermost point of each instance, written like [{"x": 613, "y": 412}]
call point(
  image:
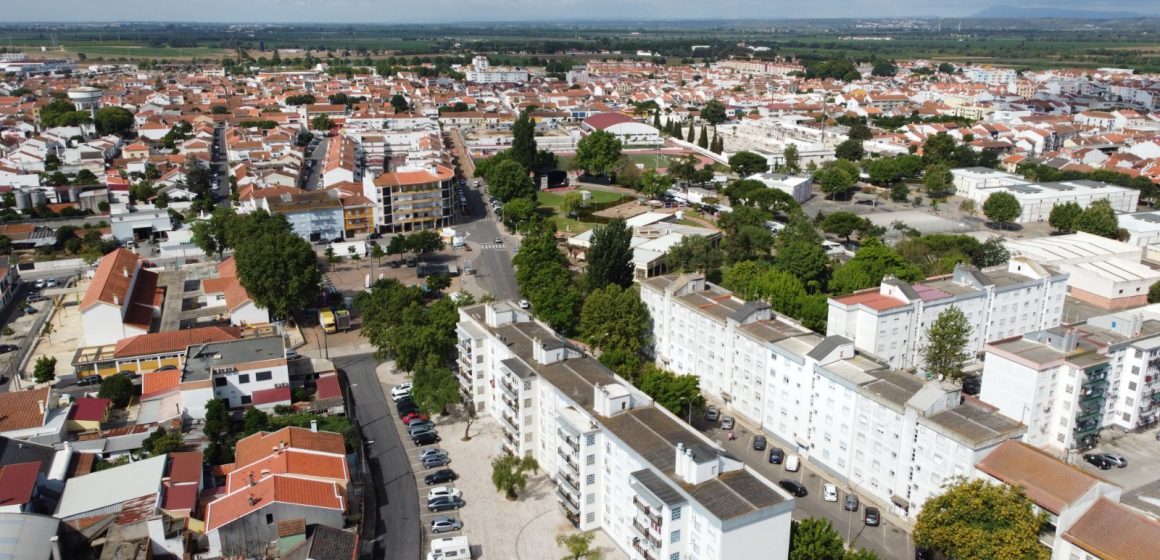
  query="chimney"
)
[
  {"x": 252, "y": 500},
  {"x": 314, "y": 425},
  {"x": 252, "y": 482},
  {"x": 125, "y": 271},
  {"x": 116, "y": 299},
  {"x": 40, "y": 405}
]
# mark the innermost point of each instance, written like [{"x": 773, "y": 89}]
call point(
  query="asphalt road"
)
[
  {"x": 492, "y": 264},
  {"x": 399, "y": 516},
  {"x": 311, "y": 182},
  {"x": 890, "y": 541}
]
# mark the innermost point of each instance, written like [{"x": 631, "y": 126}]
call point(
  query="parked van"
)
[{"x": 792, "y": 463}]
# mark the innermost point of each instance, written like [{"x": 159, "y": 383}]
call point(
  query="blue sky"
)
[{"x": 439, "y": 11}]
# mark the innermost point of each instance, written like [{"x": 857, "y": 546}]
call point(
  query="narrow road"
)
[{"x": 399, "y": 528}]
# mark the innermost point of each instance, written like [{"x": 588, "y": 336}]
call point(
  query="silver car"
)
[{"x": 445, "y": 525}]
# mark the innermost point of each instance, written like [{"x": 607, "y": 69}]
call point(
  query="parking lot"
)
[
  {"x": 1141, "y": 450},
  {"x": 496, "y": 528}
]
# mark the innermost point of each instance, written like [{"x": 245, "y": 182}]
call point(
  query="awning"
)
[{"x": 900, "y": 502}]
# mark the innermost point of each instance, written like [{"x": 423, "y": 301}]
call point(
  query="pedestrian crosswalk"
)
[{"x": 493, "y": 245}]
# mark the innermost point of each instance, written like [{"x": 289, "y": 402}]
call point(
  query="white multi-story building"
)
[
  {"x": 891, "y": 321},
  {"x": 657, "y": 487},
  {"x": 893, "y": 435},
  {"x": 1067, "y": 384},
  {"x": 1038, "y": 199},
  {"x": 481, "y": 72},
  {"x": 248, "y": 371}
]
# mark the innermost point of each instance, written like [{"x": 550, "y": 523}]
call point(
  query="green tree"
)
[
  {"x": 523, "y": 149},
  {"x": 883, "y": 171},
  {"x": 745, "y": 163},
  {"x": 968, "y": 208},
  {"x": 438, "y": 282},
  {"x": 219, "y": 110},
  {"x": 609, "y": 256},
  {"x": 543, "y": 277},
  {"x": 509, "y": 473},
  {"x": 1063, "y": 216},
  {"x": 746, "y": 235},
  {"x": 597, "y": 153},
  {"x": 815, "y": 539},
  {"x": 321, "y": 122},
  {"x": 255, "y": 420},
  {"x": 45, "y": 369},
  {"x": 434, "y": 389},
  {"x": 521, "y": 213},
  {"x": 792, "y": 163},
  {"x": 870, "y": 264},
  {"x": 384, "y": 309},
  {"x": 377, "y": 253},
  {"x": 615, "y": 319},
  {"x": 850, "y": 150},
  {"x": 508, "y": 180},
  {"x": 978, "y": 520},
  {"x": 579, "y": 546},
  {"x": 675, "y": 392},
  {"x": 425, "y": 242},
  {"x": 113, "y": 120},
  {"x": 398, "y": 244},
  {"x": 837, "y": 178},
  {"x": 571, "y": 203},
  {"x": 278, "y": 269},
  {"x": 694, "y": 253},
  {"x": 939, "y": 148},
  {"x": 945, "y": 352},
  {"x": 399, "y": 103},
  {"x": 844, "y": 224},
  {"x": 217, "y": 418},
  {"x": 1154, "y": 293},
  {"x": 683, "y": 168},
  {"x": 859, "y": 131},
  {"x": 117, "y": 388},
  {"x": 1099, "y": 219},
  {"x": 806, "y": 261},
  {"x": 703, "y": 139},
  {"x": 884, "y": 68},
  {"x": 654, "y": 184},
  {"x": 1002, "y": 207},
  {"x": 713, "y": 112},
  {"x": 937, "y": 179},
  {"x": 161, "y": 442},
  {"x": 213, "y": 235}
]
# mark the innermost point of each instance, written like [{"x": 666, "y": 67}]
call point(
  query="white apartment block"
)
[
  {"x": 658, "y": 488},
  {"x": 892, "y": 434},
  {"x": 1038, "y": 199},
  {"x": 1143, "y": 228},
  {"x": 891, "y": 321},
  {"x": 481, "y": 72}
]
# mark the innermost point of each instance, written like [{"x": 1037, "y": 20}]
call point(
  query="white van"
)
[
  {"x": 792, "y": 463},
  {"x": 450, "y": 548}
]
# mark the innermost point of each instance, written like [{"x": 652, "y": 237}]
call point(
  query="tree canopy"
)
[
  {"x": 609, "y": 256},
  {"x": 278, "y": 268},
  {"x": 1002, "y": 207},
  {"x": 508, "y": 180},
  {"x": 870, "y": 264},
  {"x": 675, "y": 392},
  {"x": 977, "y": 520},
  {"x": 597, "y": 153},
  {"x": 713, "y": 112},
  {"x": 745, "y": 163},
  {"x": 614, "y": 319},
  {"x": 113, "y": 120},
  {"x": 945, "y": 352},
  {"x": 837, "y": 178},
  {"x": 694, "y": 253},
  {"x": 1098, "y": 219},
  {"x": 1063, "y": 216}
]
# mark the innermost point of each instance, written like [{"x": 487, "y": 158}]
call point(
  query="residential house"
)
[
  {"x": 249, "y": 371},
  {"x": 122, "y": 300},
  {"x": 227, "y": 290}
]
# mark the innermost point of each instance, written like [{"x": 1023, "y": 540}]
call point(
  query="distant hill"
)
[{"x": 1001, "y": 11}]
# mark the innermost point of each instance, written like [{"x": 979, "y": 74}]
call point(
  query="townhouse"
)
[
  {"x": 123, "y": 299},
  {"x": 622, "y": 465},
  {"x": 894, "y": 436},
  {"x": 891, "y": 321}
]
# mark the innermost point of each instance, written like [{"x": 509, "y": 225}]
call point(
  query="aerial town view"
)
[{"x": 644, "y": 280}]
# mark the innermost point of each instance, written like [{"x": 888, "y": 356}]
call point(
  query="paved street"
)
[
  {"x": 399, "y": 500},
  {"x": 888, "y": 539}
]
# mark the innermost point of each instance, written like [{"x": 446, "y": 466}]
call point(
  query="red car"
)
[{"x": 413, "y": 416}]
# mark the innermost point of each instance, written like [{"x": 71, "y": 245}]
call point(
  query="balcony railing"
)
[
  {"x": 568, "y": 483},
  {"x": 567, "y": 501},
  {"x": 647, "y": 510},
  {"x": 507, "y": 388},
  {"x": 509, "y": 421},
  {"x": 571, "y": 441},
  {"x": 644, "y": 553}
]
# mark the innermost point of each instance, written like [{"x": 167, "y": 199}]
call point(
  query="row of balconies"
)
[
  {"x": 643, "y": 534},
  {"x": 647, "y": 510},
  {"x": 510, "y": 421},
  {"x": 572, "y": 441},
  {"x": 641, "y": 550},
  {"x": 569, "y": 503}
]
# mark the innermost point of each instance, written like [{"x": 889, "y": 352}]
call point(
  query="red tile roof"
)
[
  {"x": 89, "y": 409},
  {"x": 291, "y": 462},
  {"x": 111, "y": 280},
  {"x": 173, "y": 341},
  {"x": 253, "y": 448},
  {"x": 605, "y": 120},
  {"x": 276, "y": 488},
  {"x": 328, "y": 386},
  {"x": 872, "y": 299},
  {"x": 269, "y": 396},
  {"x": 156, "y": 383},
  {"x": 185, "y": 467},
  {"x": 17, "y": 483},
  {"x": 20, "y": 410},
  {"x": 1112, "y": 531},
  {"x": 180, "y": 497},
  {"x": 1050, "y": 483}
]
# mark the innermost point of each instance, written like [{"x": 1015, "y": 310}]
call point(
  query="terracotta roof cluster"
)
[
  {"x": 1049, "y": 483},
  {"x": 21, "y": 410},
  {"x": 227, "y": 283},
  {"x": 1113, "y": 531},
  {"x": 173, "y": 341},
  {"x": 119, "y": 272}
]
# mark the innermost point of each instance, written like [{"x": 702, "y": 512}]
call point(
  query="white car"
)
[
  {"x": 829, "y": 492},
  {"x": 524, "y": 304},
  {"x": 443, "y": 492},
  {"x": 400, "y": 391}
]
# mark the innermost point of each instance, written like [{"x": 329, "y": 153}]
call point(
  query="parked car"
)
[
  {"x": 759, "y": 443},
  {"x": 792, "y": 463},
  {"x": 29, "y": 309},
  {"x": 292, "y": 355},
  {"x": 129, "y": 374},
  {"x": 421, "y": 430},
  {"x": 445, "y": 504},
  {"x": 89, "y": 381},
  {"x": 1116, "y": 459},
  {"x": 414, "y": 417},
  {"x": 445, "y": 525},
  {"x": 6, "y": 348},
  {"x": 712, "y": 414},
  {"x": 440, "y": 476},
  {"x": 443, "y": 492},
  {"x": 872, "y": 518},
  {"x": 50, "y": 283},
  {"x": 425, "y": 438},
  {"x": 794, "y": 487},
  {"x": 850, "y": 503},
  {"x": 499, "y": 241},
  {"x": 431, "y": 452},
  {"x": 400, "y": 391},
  {"x": 1103, "y": 463},
  {"x": 435, "y": 461},
  {"x": 40, "y": 283},
  {"x": 829, "y": 493},
  {"x": 34, "y": 297},
  {"x": 407, "y": 409},
  {"x": 727, "y": 422},
  {"x": 921, "y": 553},
  {"x": 524, "y": 304},
  {"x": 776, "y": 455},
  {"x": 166, "y": 368}
]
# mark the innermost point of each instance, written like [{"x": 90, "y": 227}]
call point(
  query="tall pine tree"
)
[
  {"x": 703, "y": 141},
  {"x": 523, "y": 148},
  {"x": 692, "y": 137}
]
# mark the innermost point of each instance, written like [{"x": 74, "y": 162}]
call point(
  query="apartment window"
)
[
  {"x": 590, "y": 517},
  {"x": 1059, "y": 438},
  {"x": 590, "y": 499},
  {"x": 1129, "y": 401},
  {"x": 1131, "y": 385},
  {"x": 590, "y": 479},
  {"x": 1068, "y": 389},
  {"x": 675, "y": 536},
  {"x": 590, "y": 439},
  {"x": 675, "y": 556},
  {"x": 479, "y": 359},
  {"x": 243, "y": 379},
  {"x": 263, "y": 376},
  {"x": 590, "y": 460},
  {"x": 527, "y": 385},
  {"x": 676, "y": 513},
  {"x": 1063, "y": 422},
  {"x": 219, "y": 382},
  {"x": 246, "y": 399},
  {"x": 1127, "y": 416},
  {"x": 269, "y": 518}
]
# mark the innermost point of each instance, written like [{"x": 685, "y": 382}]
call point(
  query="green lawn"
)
[
  {"x": 147, "y": 52},
  {"x": 550, "y": 207}
]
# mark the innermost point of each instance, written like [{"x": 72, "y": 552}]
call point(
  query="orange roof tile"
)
[
  {"x": 111, "y": 280},
  {"x": 253, "y": 448},
  {"x": 1113, "y": 531},
  {"x": 185, "y": 467},
  {"x": 291, "y": 462},
  {"x": 1049, "y": 482},
  {"x": 872, "y": 299},
  {"x": 276, "y": 488},
  {"x": 21, "y": 409}
]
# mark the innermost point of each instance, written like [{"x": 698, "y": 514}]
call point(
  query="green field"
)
[
  {"x": 649, "y": 161},
  {"x": 128, "y": 51},
  {"x": 550, "y": 209}
]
